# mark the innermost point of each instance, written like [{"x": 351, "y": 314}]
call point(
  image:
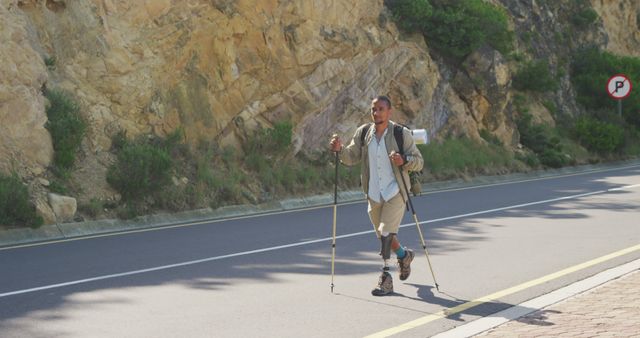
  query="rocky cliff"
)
[{"x": 221, "y": 68}]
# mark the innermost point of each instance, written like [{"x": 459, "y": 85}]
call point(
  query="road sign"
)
[{"x": 619, "y": 86}]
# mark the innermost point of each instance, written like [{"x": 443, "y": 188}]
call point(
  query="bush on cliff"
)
[
  {"x": 142, "y": 169},
  {"x": 535, "y": 76},
  {"x": 15, "y": 208},
  {"x": 455, "y": 28},
  {"x": 410, "y": 15},
  {"x": 66, "y": 126},
  {"x": 541, "y": 140}
]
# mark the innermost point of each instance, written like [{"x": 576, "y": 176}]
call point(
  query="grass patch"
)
[
  {"x": 15, "y": 207},
  {"x": 460, "y": 157}
]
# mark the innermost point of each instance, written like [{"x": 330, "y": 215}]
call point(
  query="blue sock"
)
[{"x": 400, "y": 252}]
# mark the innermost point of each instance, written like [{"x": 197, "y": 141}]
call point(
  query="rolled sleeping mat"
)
[{"x": 420, "y": 136}]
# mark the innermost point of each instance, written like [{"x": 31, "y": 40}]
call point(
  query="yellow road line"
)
[{"x": 497, "y": 295}]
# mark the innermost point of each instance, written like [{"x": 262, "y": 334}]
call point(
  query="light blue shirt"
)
[{"x": 382, "y": 182}]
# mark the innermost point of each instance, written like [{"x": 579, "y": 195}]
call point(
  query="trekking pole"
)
[
  {"x": 335, "y": 210},
  {"x": 415, "y": 218}
]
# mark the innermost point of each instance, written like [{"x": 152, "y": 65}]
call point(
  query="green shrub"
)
[
  {"x": 515, "y": 56},
  {"x": 553, "y": 158},
  {"x": 278, "y": 139},
  {"x": 599, "y": 137},
  {"x": 309, "y": 177},
  {"x": 584, "y": 18},
  {"x": 410, "y": 15},
  {"x": 228, "y": 155},
  {"x": 15, "y": 207},
  {"x": 632, "y": 145},
  {"x": 551, "y": 107},
  {"x": 455, "y": 28},
  {"x": 529, "y": 158},
  {"x": 119, "y": 140},
  {"x": 490, "y": 138},
  {"x": 141, "y": 169},
  {"x": 542, "y": 141},
  {"x": 204, "y": 173},
  {"x": 174, "y": 143},
  {"x": 66, "y": 126},
  {"x": 535, "y": 76},
  {"x": 58, "y": 187},
  {"x": 532, "y": 136},
  {"x": 265, "y": 150},
  {"x": 93, "y": 208},
  {"x": 50, "y": 62}
]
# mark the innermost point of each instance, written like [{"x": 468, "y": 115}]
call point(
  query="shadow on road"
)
[{"x": 72, "y": 261}]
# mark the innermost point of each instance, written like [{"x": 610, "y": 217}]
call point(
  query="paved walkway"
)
[{"x": 609, "y": 310}]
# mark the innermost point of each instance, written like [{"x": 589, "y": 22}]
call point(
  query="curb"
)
[
  {"x": 53, "y": 232},
  {"x": 18, "y": 236}
]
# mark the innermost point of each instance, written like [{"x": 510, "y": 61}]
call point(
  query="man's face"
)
[{"x": 380, "y": 111}]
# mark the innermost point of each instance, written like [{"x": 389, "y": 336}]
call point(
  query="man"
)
[{"x": 382, "y": 164}]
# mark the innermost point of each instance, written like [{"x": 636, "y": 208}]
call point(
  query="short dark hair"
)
[{"x": 383, "y": 98}]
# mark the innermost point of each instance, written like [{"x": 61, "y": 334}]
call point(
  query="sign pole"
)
[{"x": 620, "y": 108}]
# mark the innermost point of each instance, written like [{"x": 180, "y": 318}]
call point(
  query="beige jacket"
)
[{"x": 355, "y": 152}]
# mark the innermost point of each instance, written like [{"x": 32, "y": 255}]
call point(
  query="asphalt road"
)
[{"x": 269, "y": 276}]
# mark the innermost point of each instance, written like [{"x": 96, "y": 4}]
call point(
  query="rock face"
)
[
  {"x": 221, "y": 68},
  {"x": 25, "y": 145},
  {"x": 620, "y": 21},
  {"x": 217, "y": 68}
]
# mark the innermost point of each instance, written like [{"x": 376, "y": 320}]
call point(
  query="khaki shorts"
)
[{"x": 386, "y": 216}]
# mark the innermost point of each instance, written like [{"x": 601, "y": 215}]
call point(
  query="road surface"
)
[{"x": 491, "y": 247}]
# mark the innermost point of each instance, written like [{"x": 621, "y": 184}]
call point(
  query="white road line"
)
[
  {"x": 270, "y": 213},
  {"x": 326, "y": 239},
  {"x": 586, "y": 172}
]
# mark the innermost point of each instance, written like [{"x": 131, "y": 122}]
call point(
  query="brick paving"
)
[{"x": 609, "y": 310}]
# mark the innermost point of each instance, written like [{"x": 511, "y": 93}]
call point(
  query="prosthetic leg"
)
[{"x": 385, "y": 282}]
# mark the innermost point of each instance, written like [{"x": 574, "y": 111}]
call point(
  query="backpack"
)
[{"x": 414, "y": 176}]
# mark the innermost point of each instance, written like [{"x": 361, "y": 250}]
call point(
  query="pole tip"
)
[
  {"x": 437, "y": 287},
  {"x": 332, "y": 288}
]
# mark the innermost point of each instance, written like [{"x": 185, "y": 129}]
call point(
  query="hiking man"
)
[{"x": 382, "y": 164}]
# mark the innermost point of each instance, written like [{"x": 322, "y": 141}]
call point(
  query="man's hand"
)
[
  {"x": 396, "y": 159},
  {"x": 335, "y": 144}
]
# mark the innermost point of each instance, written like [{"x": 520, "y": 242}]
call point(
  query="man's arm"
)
[{"x": 351, "y": 154}]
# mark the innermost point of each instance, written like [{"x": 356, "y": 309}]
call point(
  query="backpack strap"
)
[
  {"x": 364, "y": 134},
  {"x": 397, "y": 133}
]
